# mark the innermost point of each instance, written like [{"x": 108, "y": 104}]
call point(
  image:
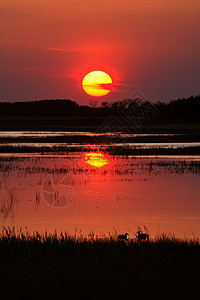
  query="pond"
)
[{"x": 94, "y": 191}]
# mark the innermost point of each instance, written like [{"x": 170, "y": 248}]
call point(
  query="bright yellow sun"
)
[{"x": 97, "y": 83}]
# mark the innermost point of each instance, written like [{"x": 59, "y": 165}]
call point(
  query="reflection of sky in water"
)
[
  {"x": 109, "y": 192},
  {"x": 72, "y": 133},
  {"x": 75, "y": 141},
  {"x": 103, "y": 145}
]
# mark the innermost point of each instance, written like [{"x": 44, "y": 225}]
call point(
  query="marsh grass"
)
[{"x": 77, "y": 267}]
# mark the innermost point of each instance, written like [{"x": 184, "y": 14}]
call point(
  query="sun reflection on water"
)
[{"x": 96, "y": 160}]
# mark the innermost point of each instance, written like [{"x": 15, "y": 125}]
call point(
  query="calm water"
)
[
  {"x": 71, "y": 139},
  {"x": 34, "y": 134},
  {"x": 99, "y": 192}
]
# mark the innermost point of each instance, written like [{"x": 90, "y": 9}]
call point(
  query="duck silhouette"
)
[
  {"x": 142, "y": 236},
  {"x": 123, "y": 236}
]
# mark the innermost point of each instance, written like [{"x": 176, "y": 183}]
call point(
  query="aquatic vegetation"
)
[{"x": 8, "y": 202}]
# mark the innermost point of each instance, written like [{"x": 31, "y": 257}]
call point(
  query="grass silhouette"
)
[{"x": 78, "y": 267}]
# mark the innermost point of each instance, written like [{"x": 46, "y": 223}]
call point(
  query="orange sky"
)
[{"x": 151, "y": 46}]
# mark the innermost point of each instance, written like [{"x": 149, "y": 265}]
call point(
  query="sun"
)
[{"x": 97, "y": 83}]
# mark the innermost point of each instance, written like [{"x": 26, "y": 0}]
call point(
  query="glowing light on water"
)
[{"x": 96, "y": 160}]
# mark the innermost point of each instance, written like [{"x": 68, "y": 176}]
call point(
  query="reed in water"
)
[{"x": 97, "y": 267}]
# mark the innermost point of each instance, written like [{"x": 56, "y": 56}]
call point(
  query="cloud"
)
[
  {"x": 64, "y": 49},
  {"x": 89, "y": 48}
]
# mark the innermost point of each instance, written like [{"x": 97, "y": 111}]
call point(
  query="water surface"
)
[{"x": 100, "y": 192}]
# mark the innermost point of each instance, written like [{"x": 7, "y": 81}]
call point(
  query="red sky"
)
[{"x": 150, "y": 46}]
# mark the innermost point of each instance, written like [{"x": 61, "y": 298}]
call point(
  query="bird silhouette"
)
[
  {"x": 123, "y": 236},
  {"x": 142, "y": 236}
]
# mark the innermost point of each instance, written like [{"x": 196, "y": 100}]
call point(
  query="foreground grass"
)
[{"x": 50, "y": 266}]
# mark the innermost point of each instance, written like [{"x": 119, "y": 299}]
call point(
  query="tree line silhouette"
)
[{"x": 180, "y": 108}]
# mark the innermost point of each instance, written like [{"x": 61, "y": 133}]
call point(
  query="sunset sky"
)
[{"x": 48, "y": 46}]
